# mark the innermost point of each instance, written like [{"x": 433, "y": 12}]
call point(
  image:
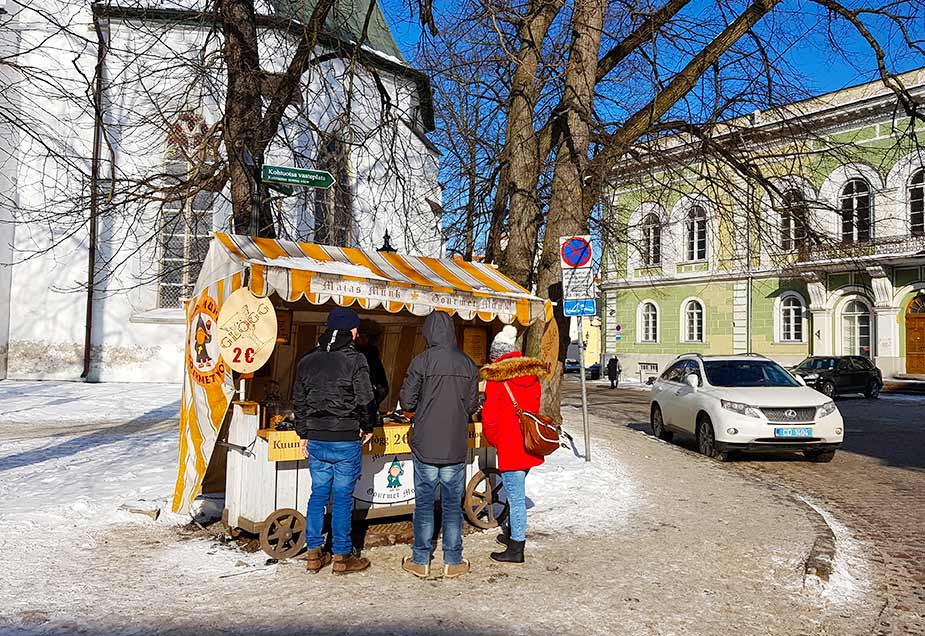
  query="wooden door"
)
[
  {"x": 915, "y": 344},
  {"x": 915, "y": 336}
]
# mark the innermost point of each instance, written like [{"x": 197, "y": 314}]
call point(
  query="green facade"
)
[{"x": 854, "y": 299}]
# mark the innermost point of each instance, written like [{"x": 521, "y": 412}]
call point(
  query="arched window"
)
[
  {"x": 917, "y": 203},
  {"x": 855, "y": 211},
  {"x": 649, "y": 327},
  {"x": 697, "y": 234},
  {"x": 693, "y": 321},
  {"x": 651, "y": 240},
  {"x": 856, "y": 329},
  {"x": 791, "y": 320},
  {"x": 793, "y": 218},
  {"x": 185, "y": 224}
]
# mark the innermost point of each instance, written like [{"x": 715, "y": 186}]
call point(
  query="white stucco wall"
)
[{"x": 133, "y": 340}]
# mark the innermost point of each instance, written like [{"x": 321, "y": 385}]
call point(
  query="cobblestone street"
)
[{"x": 875, "y": 485}]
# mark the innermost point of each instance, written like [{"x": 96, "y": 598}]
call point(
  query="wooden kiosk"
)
[{"x": 229, "y": 442}]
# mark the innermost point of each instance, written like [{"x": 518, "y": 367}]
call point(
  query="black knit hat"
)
[{"x": 342, "y": 318}]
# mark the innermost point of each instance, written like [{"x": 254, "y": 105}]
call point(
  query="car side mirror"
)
[
  {"x": 800, "y": 380},
  {"x": 692, "y": 380}
]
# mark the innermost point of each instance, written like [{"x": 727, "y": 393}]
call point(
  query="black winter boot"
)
[
  {"x": 505, "y": 537},
  {"x": 513, "y": 554}
]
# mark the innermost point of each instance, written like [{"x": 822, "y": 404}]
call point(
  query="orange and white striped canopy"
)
[{"x": 395, "y": 282}]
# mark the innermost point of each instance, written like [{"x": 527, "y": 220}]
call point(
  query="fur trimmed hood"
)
[{"x": 514, "y": 367}]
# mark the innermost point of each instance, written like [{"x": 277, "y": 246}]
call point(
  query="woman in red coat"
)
[{"x": 510, "y": 371}]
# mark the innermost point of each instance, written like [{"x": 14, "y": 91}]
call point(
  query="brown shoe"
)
[
  {"x": 315, "y": 559},
  {"x": 349, "y": 563},
  {"x": 456, "y": 569},
  {"x": 420, "y": 571}
]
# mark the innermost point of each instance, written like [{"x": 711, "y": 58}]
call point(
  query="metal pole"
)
[{"x": 584, "y": 388}]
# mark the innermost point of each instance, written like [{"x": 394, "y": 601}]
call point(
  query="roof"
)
[
  {"x": 345, "y": 21},
  {"x": 387, "y": 280}
]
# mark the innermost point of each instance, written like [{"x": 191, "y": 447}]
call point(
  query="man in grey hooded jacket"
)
[{"x": 441, "y": 388}]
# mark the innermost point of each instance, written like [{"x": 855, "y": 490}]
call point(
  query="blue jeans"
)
[
  {"x": 452, "y": 480},
  {"x": 335, "y": 468},
  {"x": 517, "y": 500}
]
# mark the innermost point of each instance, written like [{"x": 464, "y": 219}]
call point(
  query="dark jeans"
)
[
  {"x": 452, "y": 481},
  {"x": 335, "y": 468}
]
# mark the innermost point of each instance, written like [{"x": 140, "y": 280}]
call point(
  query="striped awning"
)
[{"x": 395, "y": 282}]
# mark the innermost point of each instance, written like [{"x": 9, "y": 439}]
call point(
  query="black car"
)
[{"x": 837, "y": 375}]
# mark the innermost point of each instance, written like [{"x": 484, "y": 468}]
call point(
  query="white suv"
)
[{"x": 744, "y": 402}]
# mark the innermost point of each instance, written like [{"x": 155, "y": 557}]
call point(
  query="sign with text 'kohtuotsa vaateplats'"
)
[{"x": 297, "y": 176}]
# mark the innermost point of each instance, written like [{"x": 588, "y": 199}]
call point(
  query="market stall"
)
[{"x": 259, "y": 305}]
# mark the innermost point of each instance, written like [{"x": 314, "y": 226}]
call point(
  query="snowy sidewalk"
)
[{"x": 646, "y": 539}]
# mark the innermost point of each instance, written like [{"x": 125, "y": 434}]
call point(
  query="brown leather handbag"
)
[{"x": 541, "y": 433}]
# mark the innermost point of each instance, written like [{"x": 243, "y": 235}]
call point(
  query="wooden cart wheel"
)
[
  {"x": 283, "y": 533},
  {"x": 483, "y": 505}
]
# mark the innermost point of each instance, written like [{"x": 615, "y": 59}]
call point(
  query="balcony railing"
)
[{"x": 880, "y": 246}]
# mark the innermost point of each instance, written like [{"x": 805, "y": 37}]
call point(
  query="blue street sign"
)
[
  {"x": 576, "y": 252},
  {"x": 585, "y": 307}
]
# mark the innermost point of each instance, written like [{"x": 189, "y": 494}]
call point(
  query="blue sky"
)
[{"x": 811, "y": 56}]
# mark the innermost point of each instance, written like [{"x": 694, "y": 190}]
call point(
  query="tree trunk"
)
[
  {"x": 243, "y": 111},
  {"x": 524, "y": 162},
  {"x": 568, "y": 207}
]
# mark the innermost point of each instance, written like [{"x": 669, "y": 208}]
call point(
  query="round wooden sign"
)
[{"x": 246, "y": 331}]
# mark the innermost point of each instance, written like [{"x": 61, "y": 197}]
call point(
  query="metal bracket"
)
[{"x": 244, "y": 450}]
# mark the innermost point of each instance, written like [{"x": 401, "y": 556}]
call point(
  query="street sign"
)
[
  {"x": 575, "y": 251},
  {"x": 578, "y": 295},
  {"x": 578, "y": 284},
  {"x": 297, "y": 176},
  {"x": 585, "y": 307}
]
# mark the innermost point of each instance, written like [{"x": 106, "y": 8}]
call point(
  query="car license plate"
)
[{"x": 803, "y": 431}]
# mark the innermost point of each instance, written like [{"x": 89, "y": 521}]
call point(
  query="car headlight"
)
[
  {"x": 826, "y": 409},
  {"x": 740, "y": 408},
  {"x": 811, "y": 376}
]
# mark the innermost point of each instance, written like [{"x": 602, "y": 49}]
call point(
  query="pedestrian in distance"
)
[
  {"x": 331, "y": 397},
  {"x": 441, "y": 388},
  {"x": 613, "y": 372},
  {"x": 511, "y": 377}
]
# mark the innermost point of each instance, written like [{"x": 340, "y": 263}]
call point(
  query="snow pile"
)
[{"x": 578, "y": 497}]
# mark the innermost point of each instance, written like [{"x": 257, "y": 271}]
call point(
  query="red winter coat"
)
[{"x": 499, "y": 419}]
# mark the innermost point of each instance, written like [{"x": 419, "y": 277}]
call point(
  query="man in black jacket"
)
[
  {"x": 441, "y": 387},
  {"x": 330, "y": 397}
]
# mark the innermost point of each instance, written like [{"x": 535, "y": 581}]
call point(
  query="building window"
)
[
  {"x": 855, "y": 211},
  {"x": 697, "y": 234},
  {"x": 793, "y": 218},
  {"x": 333, "y": 208},
  {"x": 185, "y": 226},
  {"x": 651, "y": 241},
  {"x": 791, "y": 320},
  {"x": 693, "y": 321},
  {"x": 649, "y": 330},
  {"x": 917, "y": 203},
  {"x": 856, "y": 330}
]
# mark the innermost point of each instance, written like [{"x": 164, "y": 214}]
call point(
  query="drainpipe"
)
[
  {"x": 748, "y": 271},
  {"x": 94, "y": 192}
]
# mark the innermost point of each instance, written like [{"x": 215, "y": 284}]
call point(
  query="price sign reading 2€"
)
[{"x": 246, "y": 331}]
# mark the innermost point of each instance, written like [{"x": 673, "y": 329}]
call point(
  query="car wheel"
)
[
  {"x": 828, "y": 389},
  {"x": 820, "y": 456},
  {"x": 658, "y": 425},
  {"x": 873, "y": 390},
  {"x": 706, "y": 440}
]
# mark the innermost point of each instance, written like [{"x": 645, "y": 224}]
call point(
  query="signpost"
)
[
  {"x": 297, "y": 176},
  {"x": 575, "y": 255}
]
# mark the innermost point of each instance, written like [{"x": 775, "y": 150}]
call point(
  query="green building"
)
[{"x": 822, "y": 251}]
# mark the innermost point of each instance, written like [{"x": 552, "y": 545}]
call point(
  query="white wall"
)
[{"x": 133, "y": 340}]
